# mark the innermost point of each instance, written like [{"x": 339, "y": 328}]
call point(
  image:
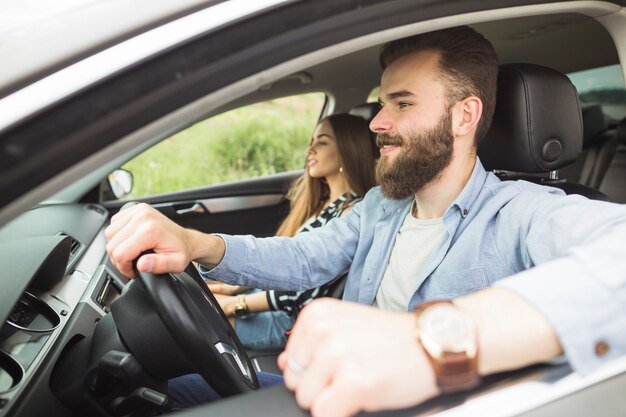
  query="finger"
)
[
  {"x": 124, "y": 252},
  {"x": 161, "y": 263},
  {"x": 129, "y": 208},
  {"x": 119, "y": 237},
  {"x": 313, "y": 327},
  {"x": 302, "y": 338},
  {"x": 282, "y": 361},
  {"x": 121, "y": 219},
  {"x": 314, "y": 380},
  {"x": 115, "y": 225},
  {"x": 119, "y": 232},
  {"x": 298, "y": 353},
  {"x": 125, "y": 246},
  {"x": 340, "y": 398},
  {"x": 230, "y": 289},
  {"x": 313, "y": 322}
]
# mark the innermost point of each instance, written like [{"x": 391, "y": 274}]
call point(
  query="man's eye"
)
[{"x": 403, "y": 104}]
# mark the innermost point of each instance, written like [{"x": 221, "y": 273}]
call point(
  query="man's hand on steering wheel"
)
[
  {"x": 186, "y": 307},
  {"x": 141, "y": 228}
]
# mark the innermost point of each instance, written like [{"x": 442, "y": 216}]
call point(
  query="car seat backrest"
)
[
  {"x": 600, "y": 143},
  {"x": 613, "y": 180},
  {"x": 537, "y": 126},
  {"x": 595, "y": 127},
  {"x": 368, "y": 111},
  {"x": 600, "y": 153}
]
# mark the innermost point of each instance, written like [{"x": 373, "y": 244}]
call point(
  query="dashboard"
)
[{"x": 57, "y": 285}]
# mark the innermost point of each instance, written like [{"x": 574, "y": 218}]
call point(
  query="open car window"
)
[
  {"x": 256, "y": 140},
  {"x": 604, "y": 85}
]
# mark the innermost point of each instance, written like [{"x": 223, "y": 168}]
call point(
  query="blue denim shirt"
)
[{"x": 494, "y": 229}]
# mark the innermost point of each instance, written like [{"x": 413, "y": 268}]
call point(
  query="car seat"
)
[
  {"x": 613, "y": 180},
  {"x": 600, "y": 143},
  {"x": 537, "y": 128},
  {"x": 368, "y": 111}
]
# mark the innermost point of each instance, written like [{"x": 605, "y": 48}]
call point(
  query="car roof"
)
[
  {"x": 567, "y": 42},
  {"x": 39, "y": 36}
]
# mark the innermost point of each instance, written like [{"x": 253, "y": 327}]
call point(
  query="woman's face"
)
[{"x": 322, "y": 157}]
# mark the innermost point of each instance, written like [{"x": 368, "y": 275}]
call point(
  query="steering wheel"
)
[{"x": 188, "y": 333}]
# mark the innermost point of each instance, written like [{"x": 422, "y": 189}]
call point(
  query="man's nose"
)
[{"x": 381, "y": 123}]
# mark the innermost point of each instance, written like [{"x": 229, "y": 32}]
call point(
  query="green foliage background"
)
[{"x": 261, "y": 139}]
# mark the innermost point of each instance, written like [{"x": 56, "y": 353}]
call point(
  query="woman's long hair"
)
[{"x": 307, "y": 194}]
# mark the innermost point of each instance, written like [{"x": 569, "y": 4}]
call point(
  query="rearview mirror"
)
[{"x": 121, "y": 183}]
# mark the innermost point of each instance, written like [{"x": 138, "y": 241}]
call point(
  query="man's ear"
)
[{"x": 466, "y": 115}]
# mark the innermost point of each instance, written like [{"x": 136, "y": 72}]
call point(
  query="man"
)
[{"x": 439, "y": 227}]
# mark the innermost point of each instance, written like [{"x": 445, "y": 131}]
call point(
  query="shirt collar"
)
[{"x": 472, "y": 189}]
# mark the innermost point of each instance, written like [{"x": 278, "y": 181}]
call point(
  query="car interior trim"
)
[
  {"x": 66, "y": 297},
  {"x": 549, "y": 385},
  {"x": 223, "y": 204},
  {"x": 51, "y": 89},
  {"x": 226, "y": 349},
  {"x": 614, "y": 23}
]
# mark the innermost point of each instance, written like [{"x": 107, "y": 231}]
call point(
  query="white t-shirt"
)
[{"x": 416, "y": 241}]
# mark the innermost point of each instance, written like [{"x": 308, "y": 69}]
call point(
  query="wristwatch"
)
[
  {"x": 448, "y": 336},
  {"x": 241, "y": 307}
]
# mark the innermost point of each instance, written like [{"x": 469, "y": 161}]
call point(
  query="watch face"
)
[
  {"x": 240, "y": 313},
  {"x": 449, "y": 328}
]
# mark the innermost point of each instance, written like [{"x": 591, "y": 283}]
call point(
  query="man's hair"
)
[{"x": 468, "y": 65}]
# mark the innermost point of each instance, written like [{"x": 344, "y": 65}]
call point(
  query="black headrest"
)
[
  {"x": 368, "y": 111},
  {"x": 537, "y": 125},
  {"x": 594, "y": 122}
]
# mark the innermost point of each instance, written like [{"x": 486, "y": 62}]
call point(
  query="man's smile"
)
[{"x": 388, "y": 149}]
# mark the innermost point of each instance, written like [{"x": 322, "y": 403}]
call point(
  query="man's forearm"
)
[
  {"x": 207, "y": 250},
  {"x": 511, "y": 332}
]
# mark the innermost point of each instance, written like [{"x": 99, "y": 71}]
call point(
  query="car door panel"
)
[{"x": 255, "y": 206}]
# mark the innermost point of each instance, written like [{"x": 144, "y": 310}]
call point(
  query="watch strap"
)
[
  {"x": 241, "y": 307},
  {"x": 454, "y": 371}
]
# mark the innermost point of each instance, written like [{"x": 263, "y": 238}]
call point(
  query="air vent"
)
[
  {"x": 76, "y": 245},
  {"x": 98, "y": 209},
  {"x": 108, "y": 293}
]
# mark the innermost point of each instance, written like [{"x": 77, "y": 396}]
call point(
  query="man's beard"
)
[{"x": 423, "y": 157}]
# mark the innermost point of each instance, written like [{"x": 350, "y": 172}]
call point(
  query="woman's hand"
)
[
  {"x": 227, "y": 302},
  {"x": 256, "y": 302},
  {"x": 218, "y": 287}
]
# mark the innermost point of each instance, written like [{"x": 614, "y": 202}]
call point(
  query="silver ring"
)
[{"x": 294, "y": 365}]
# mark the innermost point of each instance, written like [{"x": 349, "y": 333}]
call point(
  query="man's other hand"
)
[{"x": 342, "y": 358}]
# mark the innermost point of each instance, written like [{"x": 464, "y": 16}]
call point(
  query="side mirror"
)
[{"x": 120, "y": 183}]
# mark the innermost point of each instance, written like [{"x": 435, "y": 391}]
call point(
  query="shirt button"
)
[
  {"x": 602, "y": 348},
  {"x": 465, "y": 212}
]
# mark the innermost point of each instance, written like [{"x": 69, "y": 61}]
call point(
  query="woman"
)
[{"x": 339, "y": 171}]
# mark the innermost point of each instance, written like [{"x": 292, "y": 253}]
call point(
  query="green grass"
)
[{"x": 262, "y": 139}]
